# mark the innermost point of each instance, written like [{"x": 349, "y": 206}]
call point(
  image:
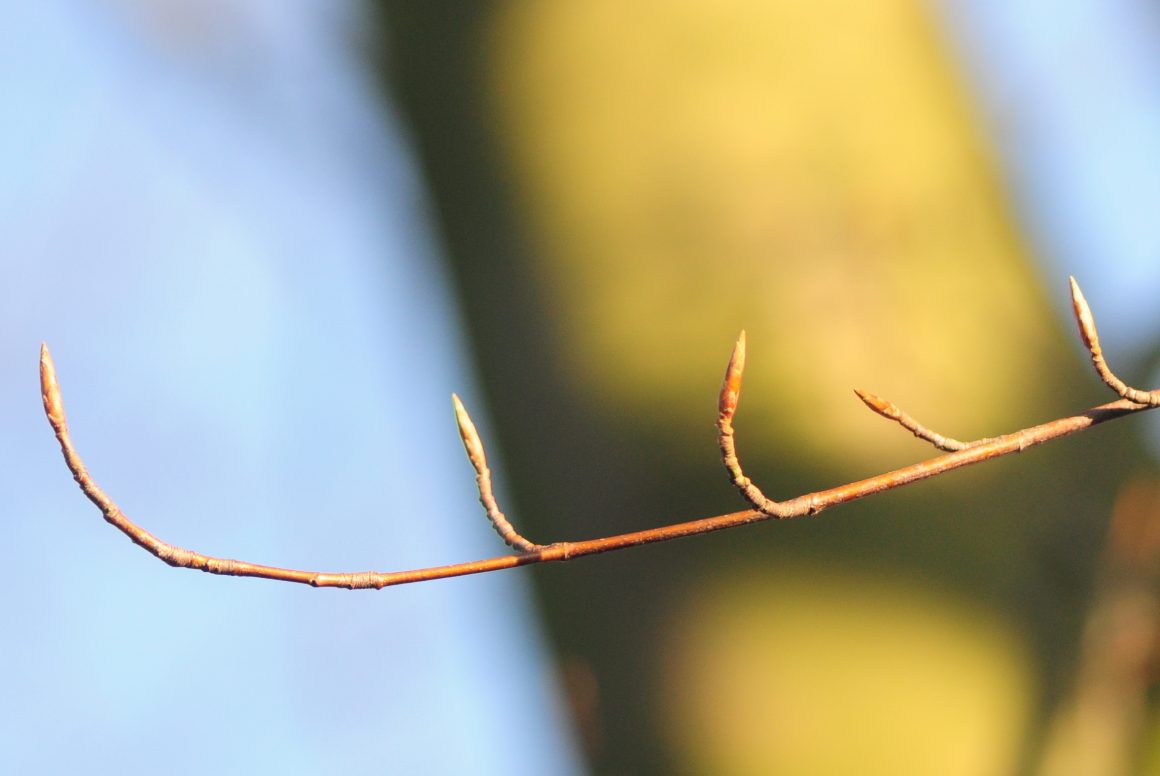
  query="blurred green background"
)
[{"x": 623, "y": 187}]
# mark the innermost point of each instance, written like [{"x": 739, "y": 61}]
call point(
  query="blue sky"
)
[
  {"x": 212, "y": 221},
  {"x": 1069, "y": 93},
  {"x": 216, "y": 226}
]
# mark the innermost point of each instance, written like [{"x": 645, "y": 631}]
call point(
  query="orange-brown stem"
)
[
  {"x": 765, "y": 508},
  {"x": 889, "y": 411},
  {"x": 727, "y": 402},
  {"x": 1091, "y": 339},
  {"x": 810, "y": 504},
  {"x": 473, "y": 445}
]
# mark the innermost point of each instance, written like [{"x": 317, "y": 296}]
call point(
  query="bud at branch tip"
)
[
  {"x": 49, "y": 388},
  {"x": 1083, "y": 317},
  {"x": 877, "y": 403},
  {"x": 731, "y": 387},
  {"x": 471, "y": 441}
]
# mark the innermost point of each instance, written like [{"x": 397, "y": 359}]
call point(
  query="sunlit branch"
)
[
  {"x": 961, "y": 454},
  {"x": 1091, "y": 338},
  {"x": 889, "y": 411},
  {"x": 474, "y": 447}
]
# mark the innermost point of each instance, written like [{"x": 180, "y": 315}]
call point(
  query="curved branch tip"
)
[
  {"x": 890, "y": 411},
  {"x": 726, "y": 408},
  {"x": 474, "y": 447},
  {"x": 1091, "y": 340}
]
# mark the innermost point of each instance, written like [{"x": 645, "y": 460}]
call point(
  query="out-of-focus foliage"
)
[
  {"x": 844, "y": 674},
  {"x": 809, "y": 171},
  {"x": 624, "y": 187}
]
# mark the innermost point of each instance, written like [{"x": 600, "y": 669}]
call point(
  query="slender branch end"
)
[
  {"x": 474, "y": 447},
  {"x": 889, "y": 411},
  {"x": 1087, "y": 331},
  {"x": 726, "y": 407}
]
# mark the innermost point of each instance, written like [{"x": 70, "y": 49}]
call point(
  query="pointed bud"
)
[
  {"x": 731, "y": 387},
  {"x": 471, "y": 441},
  {"x": 49, "y": 389},
  {"x": 1083, "y": 316},
  {"x": 878, "y": 404}
]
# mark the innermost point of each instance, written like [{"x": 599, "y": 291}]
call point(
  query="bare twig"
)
[
  {"x": 726, "y": 407},
  {"x": 1087, "y": 330},
  {"x": 1091, "y": 339},
  {"x": 474, "y": 447},
  {"x": 890, "y": 412},
  {"x": 765, "y": 508}
]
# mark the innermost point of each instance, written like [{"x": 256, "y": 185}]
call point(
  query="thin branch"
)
[
  {"x": 1091, "y": 338},
  {"x": 765, "y": 508},
  {"x": 889, "y": 411},
  {"x": 726, "y": 407},
  {"x": 474, "y": 447}
]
